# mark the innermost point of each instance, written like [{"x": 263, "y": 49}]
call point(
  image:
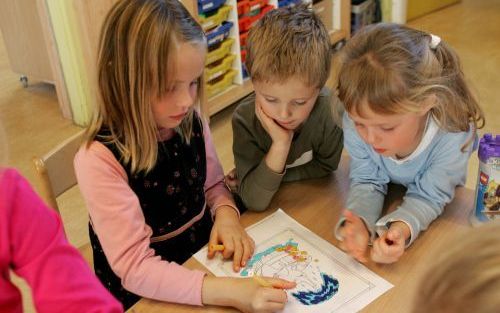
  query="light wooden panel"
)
[
  {"x": 418, "y": 8},
  {"x": 22, "y": 33}
]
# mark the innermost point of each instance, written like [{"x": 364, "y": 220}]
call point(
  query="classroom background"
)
[{"x": 36, "y": 116}]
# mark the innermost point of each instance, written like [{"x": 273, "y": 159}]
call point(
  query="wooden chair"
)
[{"x": 56, "y": 175}]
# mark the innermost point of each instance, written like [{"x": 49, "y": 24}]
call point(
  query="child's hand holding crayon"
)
[
  {"x": 257, "y": 294},
  {"x": 390, "y": 246},
  {"x": 235, "y": 241}
]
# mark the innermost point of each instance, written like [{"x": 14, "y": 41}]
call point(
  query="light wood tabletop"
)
[{"x": 317, "y": 204}]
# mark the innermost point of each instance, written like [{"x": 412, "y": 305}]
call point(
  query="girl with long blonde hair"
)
[{"x": 149, "y": 172}]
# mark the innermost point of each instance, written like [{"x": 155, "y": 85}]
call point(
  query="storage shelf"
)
[
  {"x": 226, "y": 98},
  {"x": 240, "y": 89}
]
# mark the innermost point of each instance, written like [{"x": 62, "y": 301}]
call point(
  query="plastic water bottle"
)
[{"x": 487, "y": 203}]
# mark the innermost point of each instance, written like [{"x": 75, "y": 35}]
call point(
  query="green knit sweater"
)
[{"x": 315, "y": 150}]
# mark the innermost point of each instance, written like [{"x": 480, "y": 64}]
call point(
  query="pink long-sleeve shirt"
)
[
  {"x": 33, "y": 245},
  {"x": 119, "y": 223}
]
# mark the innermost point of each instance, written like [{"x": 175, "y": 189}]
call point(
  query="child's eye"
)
[
  {"x": 358, "y": 124},
  {"x": 387, "y": 129},
  {"x": 271, "y": 100},
  {"x": 299, "y": 102}
]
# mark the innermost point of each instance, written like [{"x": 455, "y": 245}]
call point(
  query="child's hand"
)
[
  {"x": 278, "y": 134},
  {"x": 356, "y": 236},
  {"x": 255, "y": 298},
  {"x": 232, "y": 181},
  {"x": 246, "y": 294},
  {"x": 389, "y": 247},
  {"x": 228, "y": 231}
]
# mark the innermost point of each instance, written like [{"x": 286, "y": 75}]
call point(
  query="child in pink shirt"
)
[
  {"x": 149, "y": 172},
  {"x": 32, "y": 244}
]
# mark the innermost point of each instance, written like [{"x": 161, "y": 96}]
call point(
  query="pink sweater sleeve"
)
[
  {"x": 216, "y": 192},
  {"x": 60, "y": 279},
  {"x": 119, "y": 223}
]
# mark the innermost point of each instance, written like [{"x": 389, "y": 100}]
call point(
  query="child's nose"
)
[
  {"x": 185, "y": 99},
  {"x": 285, "y": 112},
  {"x": 371, "y": 137}
]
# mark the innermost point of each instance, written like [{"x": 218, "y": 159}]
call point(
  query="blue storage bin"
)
[
  {"x": 286, "y": 3},
  {"x": 205, "y": 6},
  {"x": 218, "y": 34},
  {"x": 244, "y": 71}
]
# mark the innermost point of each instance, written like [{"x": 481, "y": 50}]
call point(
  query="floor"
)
[{"x": 32, "y": 124}]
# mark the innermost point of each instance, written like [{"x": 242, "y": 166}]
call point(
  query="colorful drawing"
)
[
  {"x": 327, "y": 279},
  {"x": 288, "y": 262},
  {"x": 328, "y": 289}
]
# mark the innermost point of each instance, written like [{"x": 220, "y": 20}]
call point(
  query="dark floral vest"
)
[{"x": 171, "y": 195}]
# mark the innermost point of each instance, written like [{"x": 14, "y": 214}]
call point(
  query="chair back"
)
[{"x": 55, "y": 169}]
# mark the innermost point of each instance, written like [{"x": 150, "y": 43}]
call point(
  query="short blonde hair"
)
[
  {"x": 393, "y": 69},
  {"x": 136, "y": 63},
  {"x": 289, "y": 42},
  {"x": 466, "y": 277}
]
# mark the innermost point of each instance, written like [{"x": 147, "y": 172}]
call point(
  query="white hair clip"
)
[{"x": 435, "y": 40}]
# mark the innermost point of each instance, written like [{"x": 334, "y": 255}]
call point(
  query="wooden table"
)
[{"x": 317, "y": 204}]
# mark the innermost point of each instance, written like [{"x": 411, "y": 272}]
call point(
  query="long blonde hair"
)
[
  {"x": 135, "y": 65},
  {"x": 466, "y": 276},
  {"x": 393, "y": 69}
]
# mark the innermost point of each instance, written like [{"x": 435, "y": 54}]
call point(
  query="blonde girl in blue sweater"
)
[{"x": 409, "y": 119}]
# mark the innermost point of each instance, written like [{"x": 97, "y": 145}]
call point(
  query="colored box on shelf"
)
[
  {"x": 324, "y": 9},
  {"x": 246, "y": 6},
  {"x": 221, "y": 83},
  {"x": 243, "y": 56},
  {"x": 243, "y": 39},
  {"x": 219, "y": 34},
  {"x": 205, "y": 6},
  {"x": 246, "y": 22},
  {"x": 287, "y": 3},
  {"x": 218, "y": 68},
  {"x": 220, "y": 52},
  {"x": 210, "y": 21},
  {"x": 244, "y": 71}
]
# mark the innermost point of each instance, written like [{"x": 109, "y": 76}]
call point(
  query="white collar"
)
[{"x": 431, "y": 128}]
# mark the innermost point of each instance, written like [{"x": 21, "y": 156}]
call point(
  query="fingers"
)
[
  {"x": 355, "y": 236},
  {"x": 248, "y": 249},
  {"x": 386, "y": 250},
  {"x": 281, "y": 283},
  {"x": 237, "y": 256},
  {"x": 357, "y": 245},
  {"x": 212, "y": 241},
  {"x": 394, "y": 235},
  {"x": 228, "y": 248},
  {"x": 271, "y": 300}
]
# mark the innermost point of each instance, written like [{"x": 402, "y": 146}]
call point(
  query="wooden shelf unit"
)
[
  {"x": 91, "y": 15},
  {"x": 234, "y": 93}
]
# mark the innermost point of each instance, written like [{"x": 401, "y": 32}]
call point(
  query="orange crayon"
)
[{"x": 216, "y": 248}]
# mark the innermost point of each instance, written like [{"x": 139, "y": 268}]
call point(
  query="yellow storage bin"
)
[
  {"x": 217, "y": 69},
  {"x": 220, "y": 52},
  {"x": 216, "y": 19},
  {"x": 221, "y": 83}
]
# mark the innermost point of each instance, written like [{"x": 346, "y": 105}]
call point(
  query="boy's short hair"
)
[{"x": 289, "y": 42}]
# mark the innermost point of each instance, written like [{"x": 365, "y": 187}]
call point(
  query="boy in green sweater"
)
[{"x": 285, "y": 130}]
